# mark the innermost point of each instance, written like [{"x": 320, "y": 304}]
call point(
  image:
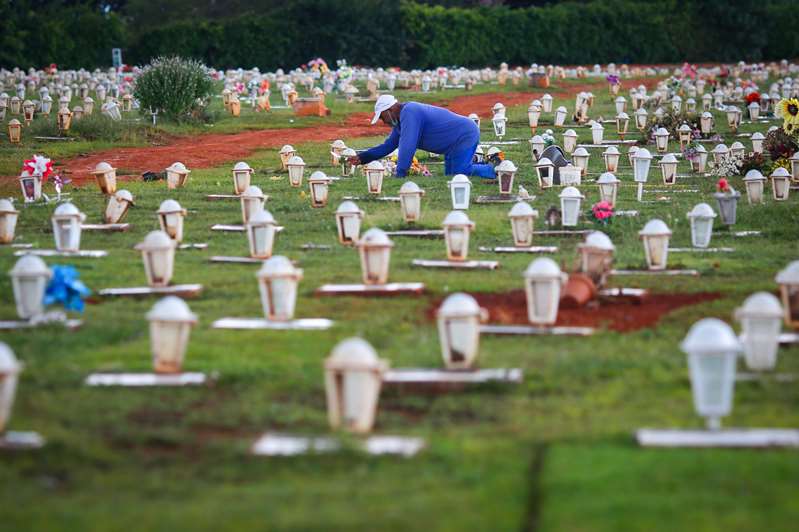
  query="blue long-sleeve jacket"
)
[{"x": 424, "y": 127}]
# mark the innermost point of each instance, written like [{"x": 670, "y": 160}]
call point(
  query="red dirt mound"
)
[{"x": 617, "y": 314}]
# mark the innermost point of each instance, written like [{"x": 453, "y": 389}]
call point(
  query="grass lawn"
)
[{"x": 554, "y": 453}]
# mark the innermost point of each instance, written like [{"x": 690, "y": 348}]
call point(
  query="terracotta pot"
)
[{"x": 579, "y": 290}]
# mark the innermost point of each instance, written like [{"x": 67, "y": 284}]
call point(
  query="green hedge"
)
[{"x": 407, "y": 34}]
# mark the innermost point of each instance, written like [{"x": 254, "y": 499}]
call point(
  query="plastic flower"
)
[
  {"x": 723, "y": 185},
  {"x": 38, "y": 165},
  {"x": 66, "y": 288},
  {"x": 753, "y": 97},
  {"x": 612, "y": 79},
  {"x": 788, "y": 109},
  {"x": 602, "y": 211}
]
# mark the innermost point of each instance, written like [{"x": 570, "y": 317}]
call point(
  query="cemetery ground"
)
[{"x": 555, "y": 452}]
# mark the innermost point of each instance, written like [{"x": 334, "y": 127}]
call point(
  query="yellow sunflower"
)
[{"x": 788, "y": 109}]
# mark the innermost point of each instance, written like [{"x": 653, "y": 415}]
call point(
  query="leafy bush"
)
[
  {"x": 174, "y": 86},
  {"x": 92, "y": 127}
]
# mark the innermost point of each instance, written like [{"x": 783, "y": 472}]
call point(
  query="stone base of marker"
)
[
  {"x": 11, "y": 325},
  {"x": 789, "y": 338},
  {"x": 108, "y": 228},
  {"x": 371, "y": 198},
  {"x": 417, "y": 233},
  {"x": 457, "y": 265},
  {"x": 532, "y": 330},
  {"x": 639, "y": 293},
  {"x": 738, "y": 234},
  {"x": 237, "y": 228},
  {"x": 273, "y": 444},
  {"x": 302, "y": 324},
  {"x": 20, "y": 441},
  {"x": 725, "y": 438},
  {"x": 389, "y": 289},
  {"x": 180, "y": 290},
  {"x": 443, "y": 380},
  {"x": 143, "y": 380},
  {"x": 563, "y": 232},
  {"x": 83, "y": 253},
  {"x": 220, "y": 197},
  {"x": 765, "y": 376},
  {"x": 196, "y": 245},
  {"x": 502, "y": 199},
  {"x": 235, "y": 260},
  {"x": 20, "y": 245},
  {"x": 511, "y": 249},
  {"x": 319, "y": 247},
  {"x": 701, "y": 250},
  {"x": 668, "y": 273}
]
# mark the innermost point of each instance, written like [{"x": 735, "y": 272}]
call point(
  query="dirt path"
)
[{"x": 209, "y": 150}]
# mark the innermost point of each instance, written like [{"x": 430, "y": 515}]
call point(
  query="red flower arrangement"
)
[
  {"x": 38, "y": 165},
  {"x": 602, "y": 212},
  {"x": 723, "y": 185},
  {"x": 753, "y": 97}
]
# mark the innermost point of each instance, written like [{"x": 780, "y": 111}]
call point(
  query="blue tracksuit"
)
[{"x": 433, "y": 129}]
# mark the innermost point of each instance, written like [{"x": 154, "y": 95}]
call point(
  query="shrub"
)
[{"x": 174, "y": 86}]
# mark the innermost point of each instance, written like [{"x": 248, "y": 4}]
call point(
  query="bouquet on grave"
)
[{"x": 602, "y": 212}]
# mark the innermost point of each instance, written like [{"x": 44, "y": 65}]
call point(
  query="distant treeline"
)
[{"x": 407, "y": 34}]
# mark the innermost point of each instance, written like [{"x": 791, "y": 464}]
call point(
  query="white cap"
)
[{"x": 385, "y": 101}]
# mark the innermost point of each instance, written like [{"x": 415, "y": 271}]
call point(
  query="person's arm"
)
[
  {"x": 408, "y": 141},
  {"x": 378, "y": 152}
]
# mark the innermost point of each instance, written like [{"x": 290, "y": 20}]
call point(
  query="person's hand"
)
[{"x": 354, "y": 160}]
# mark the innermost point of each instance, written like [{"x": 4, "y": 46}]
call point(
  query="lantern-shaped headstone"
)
[
  {"x": 737, "y": 149},
  {"x": 608, "y": 185},
  {"x": 66, "y": 223},
  {"x": 177, "y": 175},
  {"x": 712, "y": 349},
  {"x": 761, "y": 320},
  {"x": 499, "y": 122},
  {"x": 29, "y": 278},
  {"x": 684, "y": 133},
  {"x": 106, "y": 176},
  {"x": 655, "y": 236},
  {"x": 14, "y": 131},
  {"x": 374, "y": 248},
  {"x": 171, "y": 321},
  {"x": 459, "y": 319},
  {"x": 701, "y": 218},
  {"x": 375, "y": 172},
  {"x": 706, "y": 123},
  {"x": 336, "y": 148},
  {"x": 780, "y": 183},
  {"x": 457, "y": 229},
  {"x": 570, "y": 202},
  {"x": 545, "y": 171},
  {"x": 506, "y": 173},
  {"x": 754, "y": 111},
  {"x": 252, "y": 201},
  {"x": 277, "y": 282},
  {"x": 581, "y": 157},
  {"x": 88, "y": 105},
  {"x": 170, "y": 218},
  {"x": 28, "y": 109},
  {"x": 348, "y": 222},
  {"x": 353, "y": 376},
  {"x": 296, "y": 168},
  {"x": 794, "y": 160},
  {"x": 522, "y": 222},
  {"x": 757, "y": 142},
  {"x": 611, "y": 156},
  {"x": 158, "y": 256},
  {"x": 569, "y": 140},
  {"x": 347, "y": 168},
  {"x": 755, "y": 184},
  {"x": 699, "y": 159},
  {"x": 622, "y": 124},
  {"x": 596, "y": 256},
  {"x": 621, "y": 104},
  {"x": 597, "y": 132},
  {"x": 642, "y": 160},
  {"x": 668, "y": 168},
  {"x": 733, "y": 117},
  {"x": 261, "y": 229},
  {"x": 117, "y": 207},
  {"x": 47, "y": 104},
  {"x": 560, "y": 116},
  {"x": 10, "y": 369},
  {"x": 546, "y": 103},
  {"x": 788, "y": 279},
  {"x": 641, "y": 119},
  {"x": 411, "y": 201},
  {"x": 542, "y": 282},
  {"x": 533, "y": 114},
  {"x": 319, "y": 185},
  {"x": 8, "y": 221},
  {"x": 242, "y": 174},
  {"x": 286, "y": 153},
  {"x": 662, "y": 139},
  {"x": 475, "y": 118},
  {"x": 537, "y": 145},
  {"x": 460, "y": 190}
]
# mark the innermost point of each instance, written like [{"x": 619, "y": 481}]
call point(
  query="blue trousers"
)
[{"x": 460, "y": 162}]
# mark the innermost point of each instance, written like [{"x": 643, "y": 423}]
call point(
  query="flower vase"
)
[{"x": 728, "y": 204}]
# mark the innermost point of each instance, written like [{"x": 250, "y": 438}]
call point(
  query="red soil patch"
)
[
  {"x": 209, "y": 150},
  {"x": 617, "y": 314}
]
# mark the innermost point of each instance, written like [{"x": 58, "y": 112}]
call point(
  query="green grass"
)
[{"x": 554, "y": 453}]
